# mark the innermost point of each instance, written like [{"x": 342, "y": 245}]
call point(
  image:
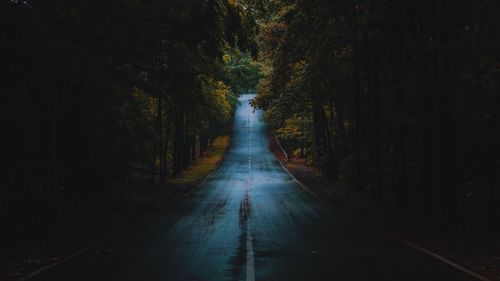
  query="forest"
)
[
  {"x": 393, "y": 100},
  {"x": 399, "y": 99},
  {"x": 101, "y": 100}
]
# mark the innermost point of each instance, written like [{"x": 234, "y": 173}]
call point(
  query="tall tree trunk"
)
[
  {"x": 177, "y": 164},
  {"x": 448, "y": 192},
  {"x": 159, "y": 132},
  {"x": 164, "y": 173},
  {"x": 400, "y": 153},
  {"x": 495, "y": 160},
  {"x": 400, "y": 144},
  {"x": 376, "y": 109},
  {"x": 321, "y": 137},
  {"x": 54, "y": 148},
  {"x": 339, "y": 109},
  {"x": 357, "y": 101},
  {"x": 203, "y": 144},
  {"x": 186, "y": 151},
  {"x": 193, "y": 148},
  {"x": 423, "y": 32}
]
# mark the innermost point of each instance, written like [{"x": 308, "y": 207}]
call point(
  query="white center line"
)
[
  {"x": 250, "y": 274},
  {"x": 250, "y": 263}
]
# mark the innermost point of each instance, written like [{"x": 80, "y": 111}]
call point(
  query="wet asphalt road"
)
[{"x": 251, "y": 221}]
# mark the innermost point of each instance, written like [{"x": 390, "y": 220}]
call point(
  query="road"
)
[{"x": 251, "y": 221}]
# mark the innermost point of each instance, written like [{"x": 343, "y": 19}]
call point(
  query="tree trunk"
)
[
  {"x": 448, "y": 192},
  {"x": 495, "y": 160},
  {"x": 378, "y": 164},
  {"x": 177, "y": 164},
  {"x": 400, "y": 144},
  {"x": 357, "y": 101},
  {"x": 321, "y": 137},
  {"x": 54, "y": 149},
  {"x": 193, "y": 148},
  {"x": 164, "y": 172},
  {"x": 159, "y": 132},
  {"x": 203, "y": 144}
]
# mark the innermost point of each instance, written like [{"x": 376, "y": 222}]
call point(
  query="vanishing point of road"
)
[{"x": 252, "y": 221}]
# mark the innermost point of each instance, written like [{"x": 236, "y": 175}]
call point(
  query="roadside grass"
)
[
  {"x": 205, "y": 165},
  {"x": 86, "y": 228}
]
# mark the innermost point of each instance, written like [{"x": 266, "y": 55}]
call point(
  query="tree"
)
[{"x": 396, "y": 93}]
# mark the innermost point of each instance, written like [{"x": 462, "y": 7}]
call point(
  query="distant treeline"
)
[
  {"x": 397, "y": 98},
  {"x": 98, "y": 94}
]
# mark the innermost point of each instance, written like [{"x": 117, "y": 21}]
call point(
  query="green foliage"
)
[
  {"x": 295, "y": 134},
  {"x": 240, "y": 71},
  {"x": 220, "y": 103}
]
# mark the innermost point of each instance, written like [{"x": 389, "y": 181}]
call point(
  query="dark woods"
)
[
  {"x": 399, "y": 99},
  {"x": 98, "y": 95}
]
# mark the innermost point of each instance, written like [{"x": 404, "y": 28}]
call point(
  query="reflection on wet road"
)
[{"x": 251, "y": 221}]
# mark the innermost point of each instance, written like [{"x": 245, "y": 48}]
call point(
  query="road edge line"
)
[
  {"x": 385, "y": 233},
  {"x": 65, "y": 259},
  {"x": 250, "y": 264}
]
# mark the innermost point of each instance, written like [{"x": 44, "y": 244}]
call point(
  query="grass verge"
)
[
  {"x": 88, "y": 227},
  {"x": 205, "y": 165}
]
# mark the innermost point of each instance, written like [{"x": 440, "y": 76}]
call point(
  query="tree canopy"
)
[
  {"x": 98, "y": 95},
  {"x": 398, "y": 98}
]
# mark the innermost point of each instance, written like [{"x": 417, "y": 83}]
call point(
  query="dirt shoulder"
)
[
  {"x": 476, "y": 248},
  {"x": 88, "y": 228}
]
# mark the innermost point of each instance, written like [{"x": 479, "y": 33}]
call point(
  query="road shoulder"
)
[{"x": 455, "y": 251}]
